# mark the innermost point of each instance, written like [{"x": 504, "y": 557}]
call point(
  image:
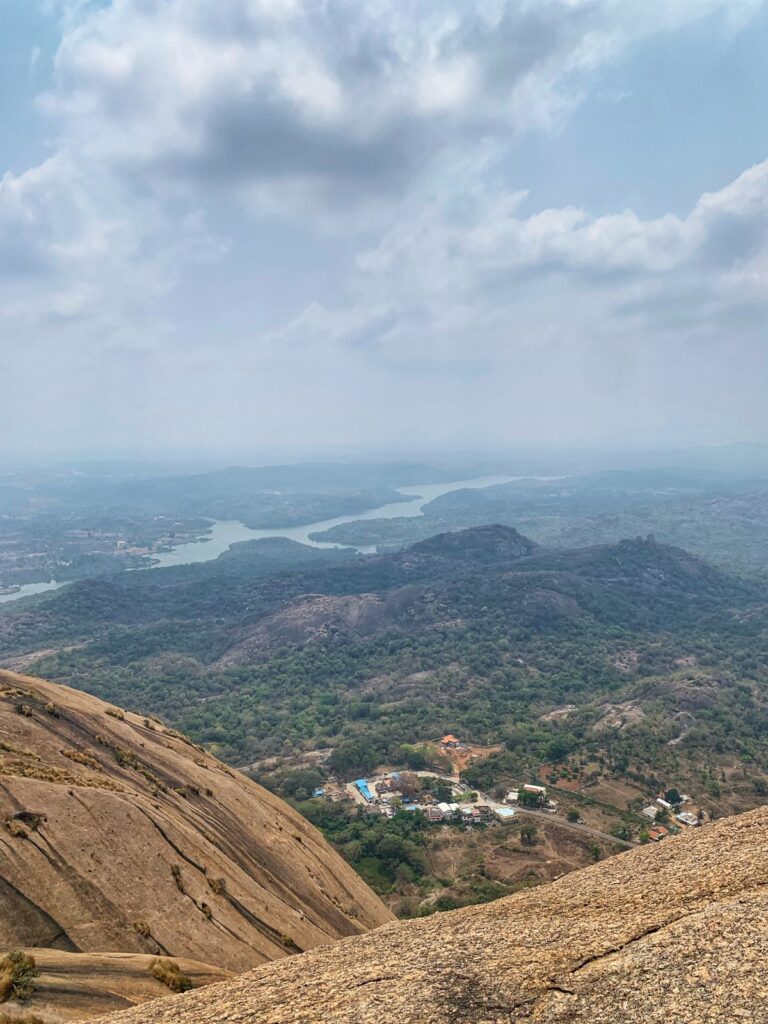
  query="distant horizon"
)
[{"x": 234, "y": 458}]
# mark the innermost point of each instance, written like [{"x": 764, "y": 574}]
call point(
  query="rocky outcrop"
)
[
  {"x": 118, "y": 834},
  {"x": 675, "y": 932},
  {"x": 315, "y": 618}
]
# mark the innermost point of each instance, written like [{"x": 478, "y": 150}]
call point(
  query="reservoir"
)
[{"x": 226, "y": 532}]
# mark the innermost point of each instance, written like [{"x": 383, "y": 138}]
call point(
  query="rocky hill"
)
[
  {"x": 677, "y": 931},
  {"x": 118, "y": 834}
]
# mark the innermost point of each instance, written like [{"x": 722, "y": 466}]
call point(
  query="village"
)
[{"x": 444, "y": 798}]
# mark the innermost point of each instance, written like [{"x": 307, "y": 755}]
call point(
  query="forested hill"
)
[
  {"x": 479, "y": 631},
  {"x": 492, "y": 566}
]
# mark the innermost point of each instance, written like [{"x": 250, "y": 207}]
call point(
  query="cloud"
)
[
  {"x": 73, "y": 247},
  {"x": 392, "y": 124},
  {"x": 477, "y": 248},
  {"x": 331, "y": 101},
  {"x": 301, "y": 108},
  {"x": 654, "y": 323}
]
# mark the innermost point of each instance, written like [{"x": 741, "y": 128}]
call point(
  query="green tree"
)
[{"x": 528, "y": 834}]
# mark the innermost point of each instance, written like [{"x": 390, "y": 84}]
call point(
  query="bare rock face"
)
[
  {"x": 77, "y": 986},
  {"x": 118, "y": 834},
  {"x": 676, "y": 932}
]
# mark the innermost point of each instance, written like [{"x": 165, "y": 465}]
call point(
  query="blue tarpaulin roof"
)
[{"x": 362, "y": 785}]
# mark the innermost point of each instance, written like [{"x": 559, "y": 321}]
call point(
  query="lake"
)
[{"x": 226, "y": 532}]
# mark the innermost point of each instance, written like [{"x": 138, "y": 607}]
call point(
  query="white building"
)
[
  {"x": 505, "y": 813},
  {"x": 688, "y": 819},
  {"x": 448, "y": 809}
]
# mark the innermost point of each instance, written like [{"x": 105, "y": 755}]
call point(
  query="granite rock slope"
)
[
  {"x": 674, "y": 932},
  {"x": 77, "y": 986},
  {"x": 118, "y": 834}
]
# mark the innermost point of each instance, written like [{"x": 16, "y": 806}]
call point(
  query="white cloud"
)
[
  {"x": 467, "y": 279},
  {"x": 335, "y": 100}
]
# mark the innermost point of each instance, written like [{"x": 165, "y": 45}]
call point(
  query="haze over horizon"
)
[{"x": 317, "y": 225}]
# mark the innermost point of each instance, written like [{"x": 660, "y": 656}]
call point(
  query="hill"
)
[
  {"x": 486, "y": 544},
  {"x": 119, "y": 834},
  {"x": 675, "y": 932}
]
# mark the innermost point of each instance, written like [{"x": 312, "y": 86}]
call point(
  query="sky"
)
[{"x": 311, "y": 225}]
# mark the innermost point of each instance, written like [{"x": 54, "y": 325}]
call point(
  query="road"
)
[{"x": 553, "y": 819}]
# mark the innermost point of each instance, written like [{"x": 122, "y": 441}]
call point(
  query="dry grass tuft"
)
[
  {"x": 82, "y": 758},
  {"x": 17, "y": 976},
  {"x": 170, "y": 975}
]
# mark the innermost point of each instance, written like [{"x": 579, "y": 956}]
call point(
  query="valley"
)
[{"x": 610, "y": 674}]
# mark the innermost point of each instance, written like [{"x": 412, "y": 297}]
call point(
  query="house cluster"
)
[
  {"x": 660, "y": 805},
  {"x": 396, "y": 790}
]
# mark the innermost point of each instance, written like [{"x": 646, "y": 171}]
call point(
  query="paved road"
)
[{"x": 574, "y": 827}]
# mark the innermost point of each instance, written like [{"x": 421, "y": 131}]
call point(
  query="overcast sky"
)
[{"x": 382, "y": 223}]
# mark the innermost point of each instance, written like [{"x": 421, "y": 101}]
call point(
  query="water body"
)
[
  {"x": 226, "y": 532},
  {"x": 28, "y": 589}
]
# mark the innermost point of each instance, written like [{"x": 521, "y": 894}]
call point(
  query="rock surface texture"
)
[
  {"x": 117, "y": 834},
  {"x": 77, "y": 986},
  {"x": 675, "y": 932}
]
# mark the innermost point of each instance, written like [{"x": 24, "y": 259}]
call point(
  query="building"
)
[
  {"x": 505, "y": 814},
  {"x": 450, "y": 742},
  {"x": 361, "y": 785},
  {"x": 448, "y": 810},
  {"x": 434, "y": 814},
  {"x": 688, "y": 819},
  {"x": 512, "y": 796},
  {"x": 658, "y": 833},
  {"x": 539, "y": 790},
  {"x": 650, "y": 812},
  {"x": 663, "y": 803}
]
